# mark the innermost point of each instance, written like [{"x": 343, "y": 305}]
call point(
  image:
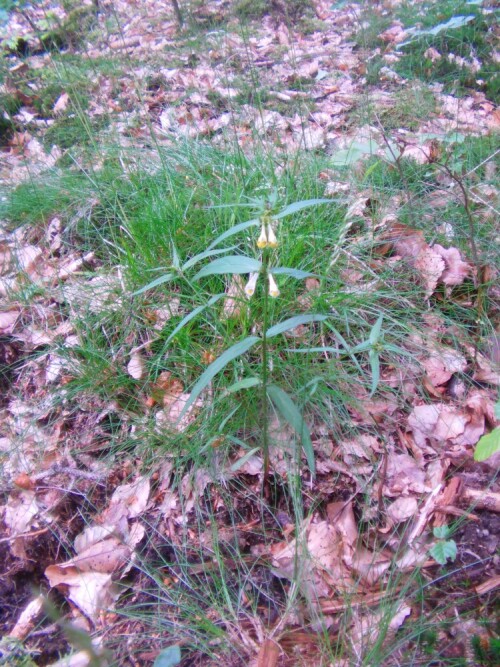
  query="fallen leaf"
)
[
  {"x": 402, "y": 508},
  {"x": 92, "y": 592},
  {"x": 8, "y": 319},
  {"x": 136, "y": 367}
]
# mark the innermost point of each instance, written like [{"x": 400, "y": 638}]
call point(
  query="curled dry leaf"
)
[
  {"x": 92, "y": 592},
  {"x": 28, "y": 618},
  {"x": 430, "y": 266},
  {"x": 136, "y": 367},
  {"x": 402, "y": 508},
  {"x": 443, "y": 363},
  {"x": 440, "y": 423},
  {"x": 403, "y": 476},
  {"x": 128, "y": 501},
  {"x": 8, "y": 319},
  {"x": 456, "y": 270},
  {"x": 20, "y": 511}
]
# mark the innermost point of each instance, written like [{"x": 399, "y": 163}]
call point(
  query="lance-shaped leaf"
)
[
  {"x": 230, "y": 264},
  {"x": 295, "y": 273},
  {"x": 190, "y": 316},
  {"x": 215, "y": 367},
  {"x": 167, "y": 277},
  {"x": 375, "y": 367},
  {"x": 203, "y": 255},
  {"x": 293, "y": 322},
  {"x": 291, "y": 414},
  {"x": 241, "y": 227},
  {"x": 375, "y": 331},
  {"x": 246, "y": 383},
  {"x": 299, "y": 205}
]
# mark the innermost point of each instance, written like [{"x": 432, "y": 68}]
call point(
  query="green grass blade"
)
[
  {"x": 215, "y": 367},
  {"x": 167, "y": 277},
  {"x": 190, "y": 316},
  {"x": 293, "y": 322},
  {"x": 299, "y": 205},
  {"x": 235, "y": 230},
  {"x": 291, "y": 414},
  {"x": 230, "y": 264}
]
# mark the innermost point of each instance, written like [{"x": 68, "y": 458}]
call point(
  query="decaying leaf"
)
[{"x": 136, "y": 367}]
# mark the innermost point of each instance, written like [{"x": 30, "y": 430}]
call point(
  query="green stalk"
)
[{"x": 264, "y": 374}]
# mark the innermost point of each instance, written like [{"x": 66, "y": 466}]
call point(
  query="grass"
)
[{"x": 205, "y": 577}]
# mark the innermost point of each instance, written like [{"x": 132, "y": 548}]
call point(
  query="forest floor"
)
[{"x": 196, "y": 470}]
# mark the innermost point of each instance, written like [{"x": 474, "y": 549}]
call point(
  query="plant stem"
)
[{"x": 264, "y": 375}]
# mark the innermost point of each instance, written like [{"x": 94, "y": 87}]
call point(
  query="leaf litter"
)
[{"x": 400, "y": 473}]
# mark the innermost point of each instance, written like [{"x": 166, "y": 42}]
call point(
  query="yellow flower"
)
[
  {"x": 252, "y": 282},
  {"x": 272, "y": 241},
  {"x": 273, "y": 288},
  {"x": 262, "y": 240}
]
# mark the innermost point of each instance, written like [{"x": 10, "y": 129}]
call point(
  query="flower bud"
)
[
  {"x": 252, "y": 282},
  {"x": 273, "y": 288},
  {"x": 272, "y": 241},
  {"x": 262, "y": 240}
]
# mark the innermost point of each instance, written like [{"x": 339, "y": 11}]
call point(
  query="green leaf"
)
[
  {"x": 229, "y": 264},
  {"x": 299, "y": 205},
  {"x": 295, "y": 273},
  {"x": 293, "y": 322},
  {"x": 488, "y": 445},
  {"x": 496, "y": 409},
  {"x": 203, "y": 255},
  {"x": 353, "y": 153},
  {"x": 441, "y": 532},
  {"x": 158, "y": 281},
  {"x": 375, "y": 368},
  {"x": 291, "y": 414},
  {"x": 215, "y": 367},
  {"x": 235, "y": 230},
  {"x": 190, "y": 316},
  {"x": 325, "y": 348},
  {"x": 375, "y": 332},
  {"x": 443, "y": 551},
  {"x": 241, "y": 462},
  {"x": 246, "y": 383},
  {"x": 451, "y": 24},
  {"x": 169, "y": 657},
  {"x": 365, "y": 346}
]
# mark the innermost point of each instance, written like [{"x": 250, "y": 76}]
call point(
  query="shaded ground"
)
[{"x": 100, "y": 482}]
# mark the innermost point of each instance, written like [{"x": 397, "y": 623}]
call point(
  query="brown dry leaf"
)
[
  {"x": 368, "y": 627},
  {"x": 28, "y": 618},
  {"x": 8, "y": 319},
  {"x": 402, "y": 508},
  {"x": 403, "y": 476},
  {"x": 128, "y": 500},
  {"x": 92, "y": 592},
  {"x": 456, "y": 270},
  {"x": 61, "y": 104},
  {"x": 136, "y": 367},
  {"x": 437, "y": 423},
  {"x": 431, "y": 265},
  {"x": 443, "y": 363},
  {"x": 20, "y": 511}
]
